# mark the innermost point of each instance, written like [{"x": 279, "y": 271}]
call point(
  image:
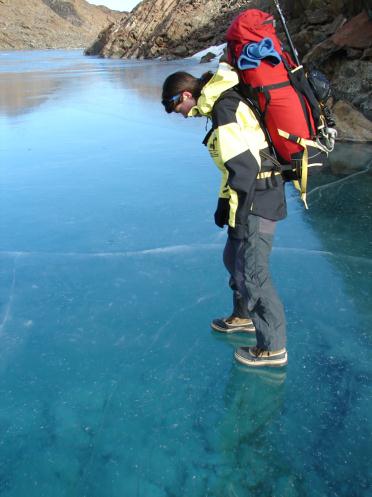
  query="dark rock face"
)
[
  {"x": 357, "y": 33},
  {"x": 333, "y": 35},
  {"x": 345, "y": 57}
]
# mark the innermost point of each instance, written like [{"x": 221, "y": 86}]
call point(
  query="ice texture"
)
[{"x": 111, "y": 382}]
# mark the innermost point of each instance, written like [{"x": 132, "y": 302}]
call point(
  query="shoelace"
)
[{"x": 259, "y": 352}]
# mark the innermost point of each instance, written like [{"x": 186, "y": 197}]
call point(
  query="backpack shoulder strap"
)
[
  {"x": 227, "y": 94},
  {"x": 207, "y": 136},
  {"x": 246, "y": 96}
]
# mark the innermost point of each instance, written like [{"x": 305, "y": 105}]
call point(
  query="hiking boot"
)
[
  {"x": 254, "y": 356},
  {"x": 233, "y": 324}
]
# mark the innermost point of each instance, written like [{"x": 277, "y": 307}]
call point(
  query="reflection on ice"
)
[
  {"x": 111, "y": 381},
  {"x": 19, "y": 94},
  {"x": 29, "y": 80}
]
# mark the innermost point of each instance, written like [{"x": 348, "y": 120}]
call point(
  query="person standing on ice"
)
[{"x": 251, "y": 200}]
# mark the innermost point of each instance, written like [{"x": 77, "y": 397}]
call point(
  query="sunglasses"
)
[{"x": 172, "y": 102}]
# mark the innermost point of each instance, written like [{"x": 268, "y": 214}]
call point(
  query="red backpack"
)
[{"x": 288, "y": 108}]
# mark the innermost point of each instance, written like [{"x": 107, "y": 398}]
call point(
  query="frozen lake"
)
[{"x": 111, "y": 382}]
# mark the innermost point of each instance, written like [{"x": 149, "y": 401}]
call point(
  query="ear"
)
[{"x": 186, "y": 95}]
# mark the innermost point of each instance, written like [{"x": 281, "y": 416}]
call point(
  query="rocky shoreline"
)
[{"x": 333, "y": 35}]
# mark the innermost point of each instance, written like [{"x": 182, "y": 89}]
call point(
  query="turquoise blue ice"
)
[{"x": 111, "y": 382}]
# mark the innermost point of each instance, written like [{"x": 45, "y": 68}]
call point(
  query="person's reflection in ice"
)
[{"x": 246, "y": 440}]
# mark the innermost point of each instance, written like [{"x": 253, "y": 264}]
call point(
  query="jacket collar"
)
[{"x": 224, "y": 79}]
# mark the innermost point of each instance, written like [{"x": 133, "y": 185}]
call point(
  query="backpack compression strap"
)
[{"x": 301, "y": 183}]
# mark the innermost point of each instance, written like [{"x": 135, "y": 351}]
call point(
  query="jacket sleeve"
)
[{"x": 242, "y": 166}]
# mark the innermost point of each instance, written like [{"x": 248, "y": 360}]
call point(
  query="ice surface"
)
[
  {"x": 111, "y": 382},
  {"x": 217, "y": 50}
]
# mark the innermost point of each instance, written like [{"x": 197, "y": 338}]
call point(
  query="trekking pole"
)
[{"x": 289, "y": 39}]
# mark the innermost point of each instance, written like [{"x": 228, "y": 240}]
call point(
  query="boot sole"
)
[
  {"x": 232, "y": 330},
  {"x": 274, "y": 363}
]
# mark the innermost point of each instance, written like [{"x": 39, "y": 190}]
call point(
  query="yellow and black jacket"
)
[{"x": 237, "y": 145}]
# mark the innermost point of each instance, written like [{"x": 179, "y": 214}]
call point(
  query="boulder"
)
[
  {"x": 353, "y": 82},
  {"x": 351, "y": 125},
  {"x": 336, "y": 24},
  {"x": 321, "y": 52},
  {"x": 317, "y": 16},
  {"x": 180, "y": 51},
  {"x": 357, "y": 33},
  {"x": 207, "y": 57}
]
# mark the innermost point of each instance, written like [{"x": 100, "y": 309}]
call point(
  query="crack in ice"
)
[
  {"x": 342, "y": 180},
  {"x": 174, "y": 249},
  {"x": 306, "y": 251},
  {"x": 165, "y": 325},
  {"x": 10, "y": 299},
  {"x": 171, "y": 249}
]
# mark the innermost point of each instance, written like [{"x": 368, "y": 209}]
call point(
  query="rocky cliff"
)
[
  {"x": 52, "y": 23},
  {"x": 334, "y": 35},
  {"x": 168, "y": 28}
]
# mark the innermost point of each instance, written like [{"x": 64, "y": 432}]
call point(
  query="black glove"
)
[{"x": 221, "y": 216}]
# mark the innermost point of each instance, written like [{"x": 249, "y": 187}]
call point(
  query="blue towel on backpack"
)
[{"x": 253, "y": 53}]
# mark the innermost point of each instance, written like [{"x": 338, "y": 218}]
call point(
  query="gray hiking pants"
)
[{"x": 254, "y": 296}]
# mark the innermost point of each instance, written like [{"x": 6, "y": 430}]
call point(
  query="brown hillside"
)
[{"x": 28, "y": 24}]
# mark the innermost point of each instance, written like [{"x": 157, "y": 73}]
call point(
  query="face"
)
[{"x": 185, "y": 103}]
